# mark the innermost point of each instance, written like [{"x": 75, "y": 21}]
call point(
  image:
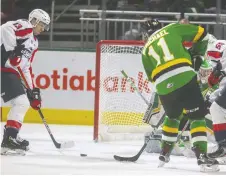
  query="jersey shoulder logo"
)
[
  {"x": 17, "y": 25},
  {"x": 219, "y": 45}
]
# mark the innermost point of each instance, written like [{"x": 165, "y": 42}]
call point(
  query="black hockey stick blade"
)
[
  {"x": 132, "y": 158},
  {"x": 137, "y": 156}
]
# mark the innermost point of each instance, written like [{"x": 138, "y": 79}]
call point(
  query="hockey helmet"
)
[
  {"x": 40, "y": 16},
  {"x": 205, "y": 71},
  {"x": 149, "y": 26}
]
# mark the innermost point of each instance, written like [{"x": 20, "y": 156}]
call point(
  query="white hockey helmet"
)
[{"x": 40, "y": 16}]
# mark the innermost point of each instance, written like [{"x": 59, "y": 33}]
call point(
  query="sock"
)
[
  {"x": 198, "y": 135},
  {"x": 170, "y": 129}
]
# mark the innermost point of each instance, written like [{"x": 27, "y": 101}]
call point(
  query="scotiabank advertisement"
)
[
  {"x": 67, "y": 83},
  {"x": 67, "y": 78}
]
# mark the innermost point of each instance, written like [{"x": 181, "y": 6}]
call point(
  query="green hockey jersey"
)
[{"x": 166, "y": 61}]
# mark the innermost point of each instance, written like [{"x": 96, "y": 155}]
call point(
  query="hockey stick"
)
[
  {"x": 161, "y": 164},
  {"x": 63, "y": 145},
  {"x": 136, "y": 157},
  {"x": 134, "y": 86},
  {"x": 149, "y": 112},
  {"x": 67, "y": 144}
]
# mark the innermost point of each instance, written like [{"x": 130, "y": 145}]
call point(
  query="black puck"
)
[{"x": 83, "y": 155}]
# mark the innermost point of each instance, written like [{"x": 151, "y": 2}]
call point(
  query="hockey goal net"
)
[{"x": 118, "y": 108}]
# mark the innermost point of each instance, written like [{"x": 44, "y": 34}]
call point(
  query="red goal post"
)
[{"x": 118, "y": 110}]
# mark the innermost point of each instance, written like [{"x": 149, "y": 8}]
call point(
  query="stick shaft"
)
[
  {"x": 57, "y": 145},
  {"x": 134, "y": 86}
]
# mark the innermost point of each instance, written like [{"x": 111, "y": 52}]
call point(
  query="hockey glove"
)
[
  {"x": 217, "y": 75},
  {"x": 34, "y": 98}
]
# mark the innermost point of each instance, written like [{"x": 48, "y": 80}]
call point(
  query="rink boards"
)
[
  {"x": 67, "y": 83},
  {"x": 55, "y": 116}
]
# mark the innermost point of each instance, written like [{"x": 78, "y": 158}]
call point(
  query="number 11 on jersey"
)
[{"x": 166, "y": 52}]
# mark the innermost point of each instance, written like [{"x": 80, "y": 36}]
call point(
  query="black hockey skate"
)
[
  {"x": 165, "y": 153},
  {"x": 220, "y": 152},
  {"x": 19, "y": 139},
  {"x": 11, "y": 145},
  {"x": 22, "y": 141},
  {"x": 206, "y": 164}
]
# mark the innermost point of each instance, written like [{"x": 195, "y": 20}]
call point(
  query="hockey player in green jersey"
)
[
  {"x": 168, "y": 66},
  {"x": 183, "y": 146}
]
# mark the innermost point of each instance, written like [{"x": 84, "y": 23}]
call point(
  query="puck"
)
[{"x": 83, "y": 155}]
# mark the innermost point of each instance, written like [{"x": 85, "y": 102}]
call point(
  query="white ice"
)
[{"x": 44, "y": 159}]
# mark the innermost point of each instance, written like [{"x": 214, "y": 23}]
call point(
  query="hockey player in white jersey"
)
[
  {"x": 217, "y": 54},
  {"x": 18, "y": 47}
]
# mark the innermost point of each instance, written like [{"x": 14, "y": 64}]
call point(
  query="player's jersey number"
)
[{"x": 165, "y": 49}]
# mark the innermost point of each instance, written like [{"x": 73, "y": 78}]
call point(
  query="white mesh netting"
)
[{"x": 121, "y": 109}]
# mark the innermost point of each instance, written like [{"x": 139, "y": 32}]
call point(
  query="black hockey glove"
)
[
  {"x": 35, "y": 98},
  {"x": 217, "y": 69}
]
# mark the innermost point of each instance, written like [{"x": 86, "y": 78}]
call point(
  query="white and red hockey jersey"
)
[
  {"x": 216, "y": 51},
  {"x": 15, "y": 33}
]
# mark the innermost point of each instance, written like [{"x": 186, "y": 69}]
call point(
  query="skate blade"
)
[
  {"x": 9, "y": 152},
  {"x": 161, "y": 164},
  {"x": 206, "y": 168},
  {"x": 222, "y": 161},
  {"x": 163, "y": 160}
]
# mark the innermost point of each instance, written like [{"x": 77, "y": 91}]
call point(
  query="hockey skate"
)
[
  {"x": 22, "y": 141},
  {"x": 206, "y": 164},
  {"x": 12, "y": 144},
  {"x": 164, "y": 157},
  {"x": 220, "y": 153},
  {"x": 19, "y": 139}
]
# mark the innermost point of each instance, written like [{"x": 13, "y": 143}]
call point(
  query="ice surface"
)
[{"x": 43, "y": 158}]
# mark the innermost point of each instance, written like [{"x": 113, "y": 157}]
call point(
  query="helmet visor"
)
[{"x": 44, "y": 25}]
